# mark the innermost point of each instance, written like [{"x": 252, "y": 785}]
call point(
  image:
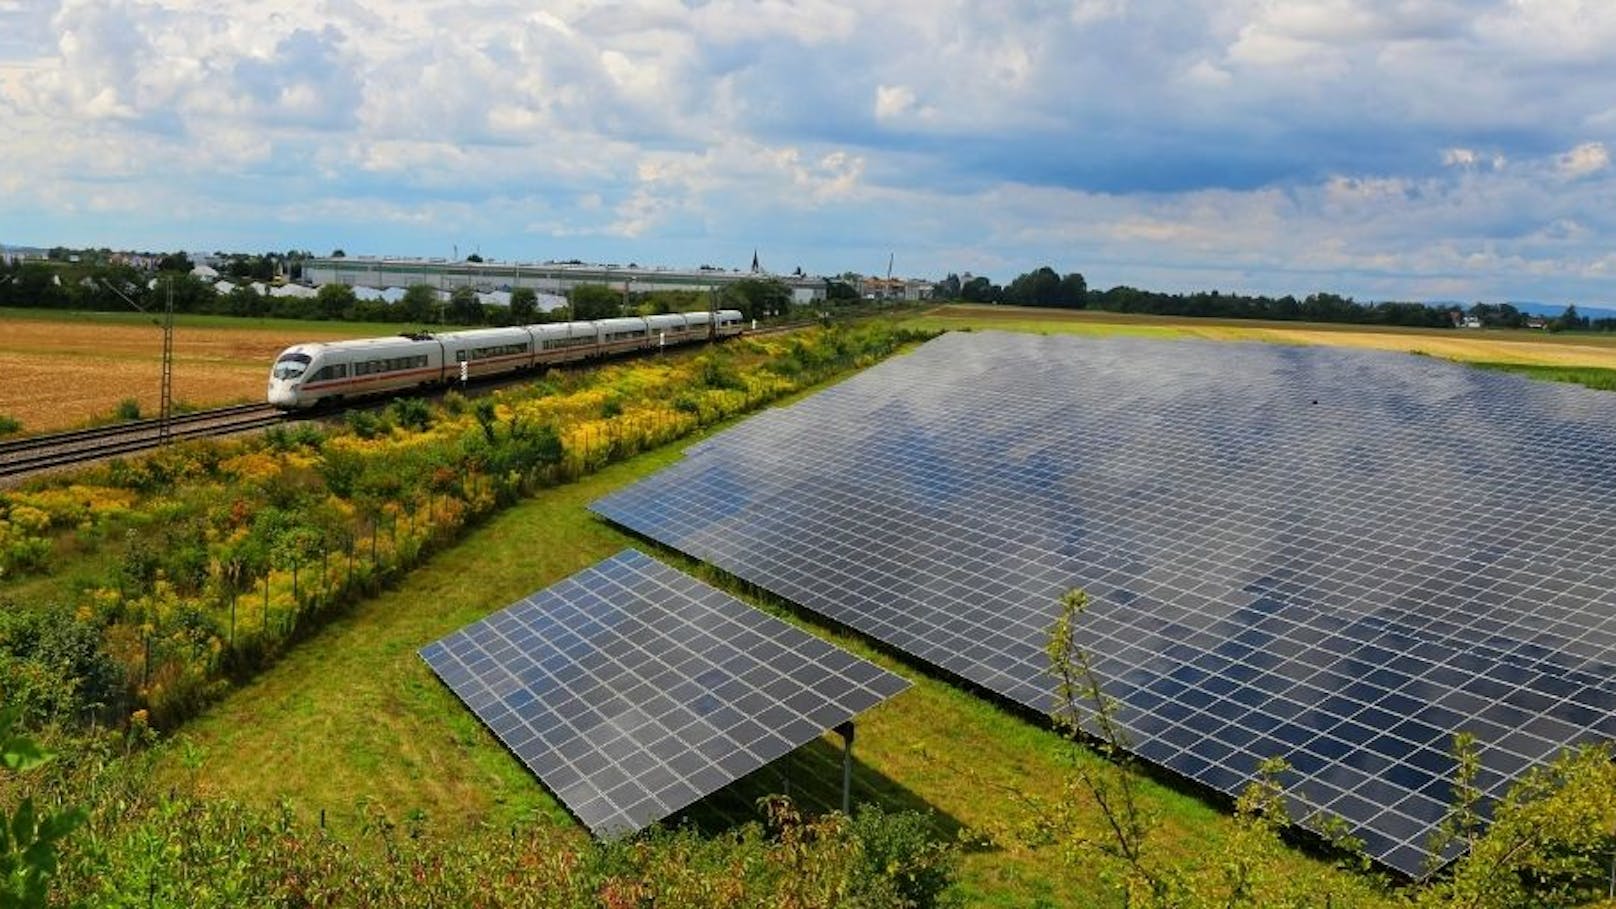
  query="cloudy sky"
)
[{"x": 1412, "y": 149}]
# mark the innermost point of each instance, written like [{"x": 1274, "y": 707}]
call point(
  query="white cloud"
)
[
  {"x": 893, "y": 101},
  {"x": 1360, "y": 144},
  {"x": 1460, "y": 157},
  {"x": 1085, "y": 12},
  {"x": 1585, "y": 159}
]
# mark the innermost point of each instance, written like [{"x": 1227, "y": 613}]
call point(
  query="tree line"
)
[
  {"x": 1047, "y": 288},
  {"x": 113, "y": 287}
]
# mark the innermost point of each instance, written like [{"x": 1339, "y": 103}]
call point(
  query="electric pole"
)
[
  {"x": 165, "y": 400},
  {"x": 165, "y": 404}
]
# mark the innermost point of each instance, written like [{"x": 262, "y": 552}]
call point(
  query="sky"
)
[{"x": 1387, "y": 149}]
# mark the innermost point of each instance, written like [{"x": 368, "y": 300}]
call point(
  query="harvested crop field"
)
[
  {"x": 1465, "y": 345},
  {"x": 63, "y": 369}
]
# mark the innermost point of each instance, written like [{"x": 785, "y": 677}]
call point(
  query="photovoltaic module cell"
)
[
  {"x": 1337, "y": 557},
  {"x": 631, "y": 689}
]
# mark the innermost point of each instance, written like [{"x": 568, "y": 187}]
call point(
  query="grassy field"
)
[
  {"x": 352, "y": 721},
  {"x": 1501, "y": 346},
  {"x": 64, "y": 368}
]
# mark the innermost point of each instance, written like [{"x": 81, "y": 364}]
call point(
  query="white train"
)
[{"x": 310, "y": 374}]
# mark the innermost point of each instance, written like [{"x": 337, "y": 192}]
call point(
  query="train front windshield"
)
[{"x": 291, "y": 366}]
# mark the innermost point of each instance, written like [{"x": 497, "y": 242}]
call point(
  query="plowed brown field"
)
[{"x": 60, "y": 372}]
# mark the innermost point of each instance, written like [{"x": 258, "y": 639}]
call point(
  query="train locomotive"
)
[{"x": 306, "y": 375}]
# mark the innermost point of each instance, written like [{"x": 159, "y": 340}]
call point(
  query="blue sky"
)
[{"x": 1409, "y": 149}]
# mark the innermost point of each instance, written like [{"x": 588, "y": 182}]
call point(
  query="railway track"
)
[
  {"x": 38, "y": 453},
  {"x": 35, "y": 454}
]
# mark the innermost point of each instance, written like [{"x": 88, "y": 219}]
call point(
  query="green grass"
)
[
  {"x": 1036, "y": 326},
  {"x": 352, "y": 720},
  {"x": 1603, "y": 379}
]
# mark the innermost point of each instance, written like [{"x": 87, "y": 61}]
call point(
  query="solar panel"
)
[
  {"x": 631, "y": 689},
  {"x": 1338, "y": 557}
]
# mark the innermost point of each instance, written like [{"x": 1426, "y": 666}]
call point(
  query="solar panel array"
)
[
  {"x": 1338, "y": 557},
  {"x": 632, "y": 690}
]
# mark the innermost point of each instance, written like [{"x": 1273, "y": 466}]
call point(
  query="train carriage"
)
[
  {"x": 621, "y": 335},
  {"x": 309, "y": 374},
  {"x": 731, "y": 322},
  {"x": 487, "y": 351},
  {"x": 563, "y": 342}
]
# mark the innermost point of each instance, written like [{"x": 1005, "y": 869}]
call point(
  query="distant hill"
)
[
  {"x": 1531, "y": 307},
  {"x": 1554, "y": 309}
]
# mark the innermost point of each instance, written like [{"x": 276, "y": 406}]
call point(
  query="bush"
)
[
  {"x": 30, "y": 835},
  {"x": 155, "y": 848},
  {"x": 366, "y": 424},
  {"x": 411, "y": 413},
  {"x": 9, "y": 425},
  {"x": 139, "y": 566},
  {"x": 901, "y": 852},
  {"x": 453, "y": 403},
  {"x": 127, "y": 409},
  {"x": 298, "y": 435},
  {"x": 53, "y": 667},
  {"x": 717, "y": 373}
]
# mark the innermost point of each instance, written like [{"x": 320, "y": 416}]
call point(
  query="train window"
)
[
  {"x": 334, "y": 371},
  {"x": 502, "y": 350},
  {"x": 291, "y": 366},
  {"x": 391, "y": 364},
  {"x": 460, "y": 356}
]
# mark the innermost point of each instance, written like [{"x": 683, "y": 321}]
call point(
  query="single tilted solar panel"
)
[{"x": 632, "y": 690}]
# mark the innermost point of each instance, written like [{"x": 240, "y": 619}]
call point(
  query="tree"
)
[
  {"x": 191, "y": 294},
  {"x": 759, "y": 298},
  {"x": 464, "y": 307},
  {"x": 335, "y": 301},
  {"x": 338, "y": 253},
  {"x": 1074, "y": 291},
  {"x": 524, "y": 305},
  {"x": 420, "y": 303},
  {"x": 979, "y": 290},
  {"x": 1035, "y": 288},
  {"x": 1568, "y": 320},
  {"x": 1044, "y": 287},
  {"x": 840, "y": 291},
  {"x": 474, "y": 258},
  {"x": 244, "y": 301},
  {"x": 177, "y": 261},
  {"x": 594, "y": 301}
]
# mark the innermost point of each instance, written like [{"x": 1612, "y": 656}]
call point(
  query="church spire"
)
[{"x": 755, "y": 268}]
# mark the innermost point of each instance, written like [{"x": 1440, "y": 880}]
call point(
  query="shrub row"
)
[{"x": 202, "y": 562}]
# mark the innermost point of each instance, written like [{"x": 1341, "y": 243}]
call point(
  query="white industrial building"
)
[{"x": 547, "y": 279}]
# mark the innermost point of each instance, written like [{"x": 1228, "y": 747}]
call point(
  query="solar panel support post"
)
[{"x": 846, "y": 732}]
